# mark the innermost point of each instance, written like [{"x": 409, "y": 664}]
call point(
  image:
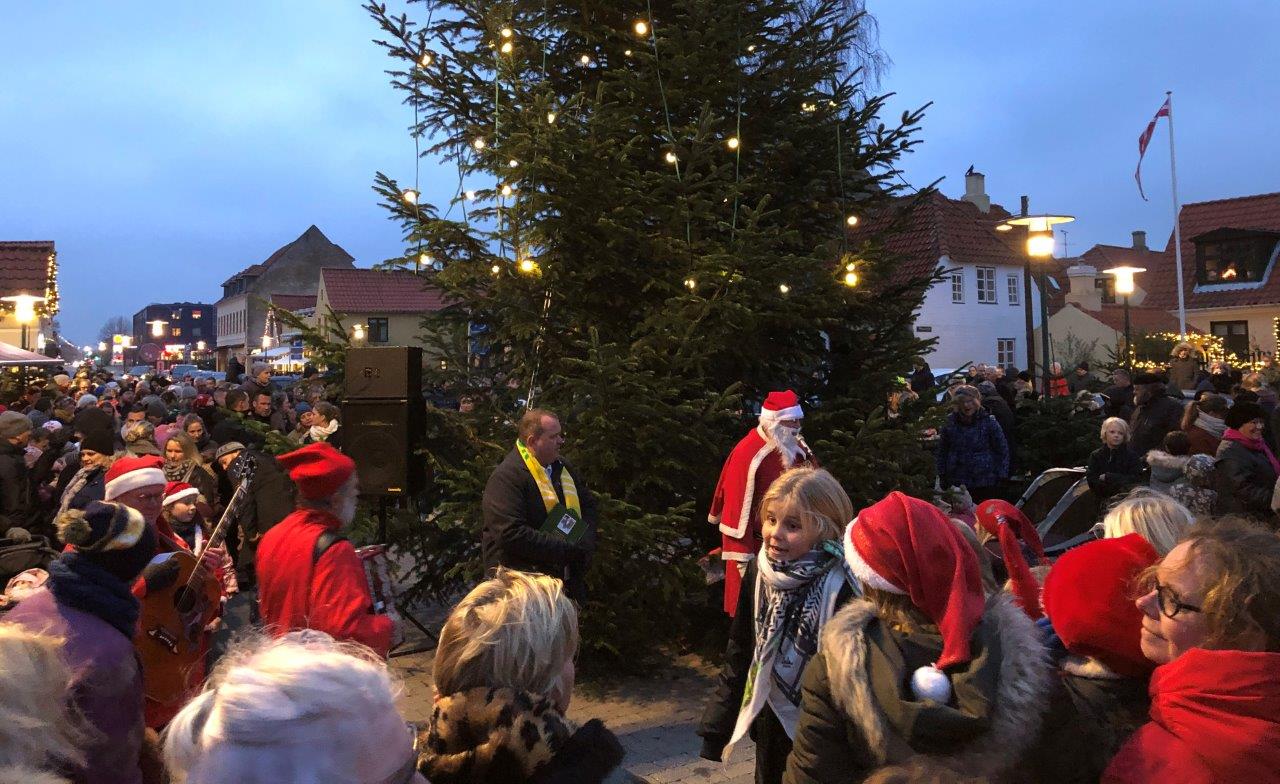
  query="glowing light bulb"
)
[
  {"x": 1004, "y": 227},
  {"x": 551, "y": 118},
  {"x": 784, "y": 288},
  {"x": 506, "y": 47},
  {"x": 424, "y": 259},
  {"x": 851, "y": 279},
  {"x": 671, "y": 157},
  {"x": 528, "y": 266},
  {"x": 627, "y": 53},
  {"x": 852, "y": 220},
  {"x": 585, "y": 59},
  {"x": 426, "y": 60},
  {"x": 513, "y": 163},
  {"x": 751, "y": 48},
  {"x": 1040, "y": 244},
  {"x": 808, "y": 107},
  {"x": 506, "y": 32},
  {"x": 471, "y": 195},
  {"x": 733, "y": 142},
  {"x": 495, "y": 269},
  {"x": 479, "y": 143},
  {"x": 507, "y": 190},
  {"x": 641, "y": 27},
  {"x": 690, "y": 283},
  {"x": 409, "y": 195}
]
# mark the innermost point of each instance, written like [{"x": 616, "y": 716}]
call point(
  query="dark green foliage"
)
[
  {"x": 1055, "y": 433},
  {"x": 661, "y": 302}
]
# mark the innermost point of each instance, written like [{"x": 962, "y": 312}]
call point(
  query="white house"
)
[{"x": 977, "y": 313}]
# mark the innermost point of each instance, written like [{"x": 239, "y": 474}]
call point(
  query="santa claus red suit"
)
[
  {"x": 760, "y": 457},
  {"x": 300, "y": 588}
]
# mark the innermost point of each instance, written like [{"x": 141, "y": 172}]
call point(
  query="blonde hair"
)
[
  {"x": 1152, "y": 515},
  {"x": 38, "y": 729},
  {"x": 1238, "y": 562},
  {"x": 814, "y": 496},
  {"x": 1118, "y": 422},
  {"x": 299, "y": 708},
  {"x": 188, "y": 444},
  {"x": 515, "y": 630}
]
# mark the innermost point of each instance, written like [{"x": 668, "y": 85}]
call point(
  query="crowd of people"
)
[{"x": 913, "y": 640}]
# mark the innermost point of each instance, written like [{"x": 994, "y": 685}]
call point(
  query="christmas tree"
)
[{"x": 649, "y": 232}]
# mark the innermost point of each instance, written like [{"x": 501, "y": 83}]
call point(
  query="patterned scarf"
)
[
  {"x": 793, "y": 600},
  {"x": 179, "y": 470},
  {"x": 78, "y": 582}
]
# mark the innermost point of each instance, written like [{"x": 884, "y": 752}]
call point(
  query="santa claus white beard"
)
[{"x": 787, "y": 439}]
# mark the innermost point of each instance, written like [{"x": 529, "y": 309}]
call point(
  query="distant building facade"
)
[
  {"x": 185, "y": 328},
  {"x": 377, "y": 307},
  {"x": 28, "y": 267}
]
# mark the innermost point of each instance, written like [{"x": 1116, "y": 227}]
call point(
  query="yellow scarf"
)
[{"x": 549, "y": 497}]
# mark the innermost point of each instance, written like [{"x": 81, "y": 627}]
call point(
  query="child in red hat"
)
[{"x": 926, "y": 664}]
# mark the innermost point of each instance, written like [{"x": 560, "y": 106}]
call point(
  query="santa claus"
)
[{"x": 759, "y": 458}]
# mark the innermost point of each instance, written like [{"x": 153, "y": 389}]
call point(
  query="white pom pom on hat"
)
[{"x": 931, "y": 683}]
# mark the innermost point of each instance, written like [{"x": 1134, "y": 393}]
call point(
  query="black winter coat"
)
[
  {"x": 1119, "y": 401},
  {"x": 513, "y": 515},
  {"x": 721, "y": 714},
  {"x": 1092, "y": 712},
  {"x": 998, "y": 408},
  {"x": 1113, "y": 471},
  {"x": 16, "y": 505},
  {"x": 271, "y": 500},
  {"x": 1151, "y": 421},
  {"x": 1247, "y": 481}
]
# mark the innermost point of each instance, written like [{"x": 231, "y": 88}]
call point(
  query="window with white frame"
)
[
  {"x": 987, "y": 285},
  {"x": 957, "y": 286},
  {"x": 1004, "y": 351},
  {"x": 1014, "y": 288}
]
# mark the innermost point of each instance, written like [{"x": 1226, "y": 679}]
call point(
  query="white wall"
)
[{"x": 968, "y": 332}]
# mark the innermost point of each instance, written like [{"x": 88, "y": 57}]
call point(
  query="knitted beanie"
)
[{"x": 111, "y": 535}]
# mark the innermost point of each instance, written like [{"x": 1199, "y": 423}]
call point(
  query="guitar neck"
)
[{"x": 219, "y": 533}]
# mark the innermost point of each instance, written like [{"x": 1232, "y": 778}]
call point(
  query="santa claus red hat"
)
[
  {"x": 781, "y": 405},
  {"x": 177, "y": 491},
  {"x": 317, "y": 469},
  {"x": 130, "y": 473},
  {"x": 906, "y": 546},
  {"x": 1088, "y": 596},
  {"x": 1007, "y": 523}
]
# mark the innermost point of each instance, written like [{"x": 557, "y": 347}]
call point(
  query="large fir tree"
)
[{"x": 649, "y": 232}]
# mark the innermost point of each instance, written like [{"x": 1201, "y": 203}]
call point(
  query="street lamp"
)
[
  {"x": 357, "y": 333},
  {"x": 24, "y": 312},
  {"x": 157, "y": 327},
  {"x": 200, "y": 345},
  {"x": 1124, "y": 285},
  {"x": 1040, "y": 244},
  {"x": 102, "y": 347}
]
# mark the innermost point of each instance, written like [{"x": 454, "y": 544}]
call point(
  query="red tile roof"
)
[
  {"x": 937, "y": 227},
  {"x": 294, "y": 301},
  {"x": 24, "y": 267},
  {"x": 311, "y": 242},
  {"x": 1260, "y": 212},
  {"x": 1104, "y": 257},
  {"x": 379, "y": 291}
]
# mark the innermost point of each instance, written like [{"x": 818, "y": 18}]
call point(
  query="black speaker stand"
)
[{"x": 432, "y": 640}]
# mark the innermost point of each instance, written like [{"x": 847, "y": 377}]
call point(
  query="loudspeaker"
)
[
  {"x": 381, "y": 436},
  {"x": 384, "y": 373}
]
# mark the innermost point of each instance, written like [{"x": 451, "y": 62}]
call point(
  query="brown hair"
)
[
  {"x": 814, "y": 496},
  {"x": 1238, "y": 563},
  {"x": 896, "y": 610},
  {"x": 531, "y": 423}
]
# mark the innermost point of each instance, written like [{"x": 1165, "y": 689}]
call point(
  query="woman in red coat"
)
[{"x": 1212, "y": 621}]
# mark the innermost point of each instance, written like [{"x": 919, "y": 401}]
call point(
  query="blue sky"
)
[{"x": 166, "y": 146}]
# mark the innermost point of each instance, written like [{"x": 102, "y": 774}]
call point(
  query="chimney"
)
[
  {"x": 1026, "y": 205},
  {"x": 1083, "y": 289},
  {"x": 975, "y": 190},
  {"x": 1139, "y": 240}
]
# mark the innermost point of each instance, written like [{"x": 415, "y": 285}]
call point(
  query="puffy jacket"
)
[
  {"x": 1165, "y": 469},
  {"x": 1215, "y": 717},
  {"x": 16, "y": 507},
  {"x": 858, "y": 713},
  {"x": 974, "y": 454},
  {"x": 1247, "y": 478}
]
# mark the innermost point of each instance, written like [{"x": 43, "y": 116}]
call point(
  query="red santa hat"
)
[
  {"x": 130, "y": 473},
  {"x": 1007, "y": 523},
  {"x": 1089, "y": 599},
  {"x": 781, "y": 405},
  {"x": 177, "y": 491},
  {"x": 906, "y": 546},
  {"x": 317, "y": 469}
]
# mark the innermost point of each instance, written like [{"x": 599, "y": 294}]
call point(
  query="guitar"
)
[{"x": 173, "y": 619}]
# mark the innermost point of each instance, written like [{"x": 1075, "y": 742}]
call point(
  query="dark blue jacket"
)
[{"x": 973, "y": 455}]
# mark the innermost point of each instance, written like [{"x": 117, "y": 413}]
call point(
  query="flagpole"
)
[{"x": 1177, "y": 229}]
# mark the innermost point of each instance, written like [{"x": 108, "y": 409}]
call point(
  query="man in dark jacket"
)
[
  {"x": 1119, "y": 395},
  {"x": 235, "y": 369},
  {"x": 1154, "y": 416},
  {"x": 231, "y": 427},
  {"x": 519, "y": 504},
  {"x": 922, "y": 376},
  {"x": 16, "y": 506},
  {"x": 1081, "y": 380},
  {"x": 259, "y": 381},
  {"x": 998, "y": 408}
]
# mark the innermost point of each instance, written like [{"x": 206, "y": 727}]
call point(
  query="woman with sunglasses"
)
[
  {"x": 1211, "y": 620},
  {"x": 297, "y": 709}
]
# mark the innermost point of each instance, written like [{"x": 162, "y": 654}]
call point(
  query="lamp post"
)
[
  {"x": 24, "y": 312},
  {"x": 1040, "y": 244},
  {"x": 1124, "y": 285}
]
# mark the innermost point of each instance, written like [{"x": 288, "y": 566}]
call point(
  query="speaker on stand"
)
[{"x": 382, "y": 419}]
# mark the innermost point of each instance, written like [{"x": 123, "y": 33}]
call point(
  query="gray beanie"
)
[
  {"x": 87, "y": 400},
  {"x": 13, "y": 424},
  {"x": 258, "y": 367}
]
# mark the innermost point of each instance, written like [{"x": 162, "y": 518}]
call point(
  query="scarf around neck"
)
[
  {"x": 1210, "y": 424},
  {"x": 318, "y": 433},
  {"x": 78, "y": 582},
  {"x": 1254, "y": 444},
  {"x": 793, "y": 600}
]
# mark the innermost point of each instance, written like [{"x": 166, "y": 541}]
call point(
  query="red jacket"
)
[
  {"x": 1215, "y": 717},
  {"x": 1058, "y": 386},
  {"x": 332, "y": 596}
]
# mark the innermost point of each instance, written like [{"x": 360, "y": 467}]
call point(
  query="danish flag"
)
[{"x": 1145, "y": 139}]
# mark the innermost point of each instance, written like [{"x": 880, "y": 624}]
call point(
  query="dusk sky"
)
[{"x": 166, "y": 146}]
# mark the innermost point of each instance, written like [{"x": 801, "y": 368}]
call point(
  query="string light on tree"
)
[
  {"x": 641, "y": 27},
  {"x": 470, "y": 195},
  {"x": 479, "y": 143},
  {"x": 506, "y": 48},
  {"x": 513, "y": 163},
  {"x": 733, "y": 142},
  {"x": 627, "y": 53},
  {"x": 808, "y": 107},
  {"x": 495, "y": 269},
  {"x": 528, "y": 266},
  {"x": 851, "y": 221},
  {"x": 690, "y": 283},
  {"x": 506, "y": 32},
  {"x": 671, "y": 157},
  {"x": 751, "y": 48},
  {"x": 585, "y": 59},
  {"x": 507, "y": 190},
  {"x": 551, "y": 118},
  {"x": 425, "y": 60},
  {"x": 409, "y": 195},
  {"x": 784, "y": 288}
]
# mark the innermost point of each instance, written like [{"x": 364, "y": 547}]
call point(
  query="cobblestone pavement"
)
[{"x": 654, "y": 717}]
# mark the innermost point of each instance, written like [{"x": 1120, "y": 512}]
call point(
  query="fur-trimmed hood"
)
[
  {"x": 1166, "y": 467},
  {"x": 502, "y": 735},
  {"x": 991, "y": 722}
]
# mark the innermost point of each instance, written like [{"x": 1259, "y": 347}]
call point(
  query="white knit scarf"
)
[{"x": 1211, "y": 424}]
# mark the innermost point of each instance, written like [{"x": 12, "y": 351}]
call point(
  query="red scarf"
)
[{"x": 1256, "y": 444}]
